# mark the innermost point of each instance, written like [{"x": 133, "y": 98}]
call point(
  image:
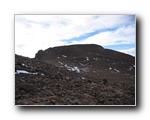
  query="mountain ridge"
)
[{"x": 76, "y": 49}]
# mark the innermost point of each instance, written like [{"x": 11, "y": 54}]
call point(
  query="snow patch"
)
[
  {"x": 60, "y": 62},
  {"x": 66, "y": 66},
  {"x": 87, "y": 58},
  {"x": 26, "y": 72},
  {"x": 75, "y": 68},
  {"x": 26, "y": 65},
  {"x": 110, "y": 68},
  {"x": 116, "y": 70},
  {"x": 130, "y": 67},
  {"x": 34, "y": 73},
  {"x": 64, "y": 56},
  {"x": 83, "y": 78},
  {"x": 96, "y": 58},
  {"x": 22, "y": 71},
  {"x": 23, "y": 65}
]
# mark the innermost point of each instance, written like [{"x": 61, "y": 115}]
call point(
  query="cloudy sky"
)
[{"x": 36, "y": 32}]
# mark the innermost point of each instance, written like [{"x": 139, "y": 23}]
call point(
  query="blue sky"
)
[{"x": 35, "y": 32}]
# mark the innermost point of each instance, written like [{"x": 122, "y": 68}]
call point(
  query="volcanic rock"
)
[{"x": 75, "y": 75}]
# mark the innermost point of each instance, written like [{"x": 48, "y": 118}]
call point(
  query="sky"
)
[{"x": 39, "y": 32}]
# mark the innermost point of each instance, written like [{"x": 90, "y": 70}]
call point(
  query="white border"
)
[
  {"x": 9, "y": 8},
  {"x": 85, "y": 105}
]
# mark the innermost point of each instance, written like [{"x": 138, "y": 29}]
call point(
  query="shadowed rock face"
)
[{"x": 75, "y": 75}]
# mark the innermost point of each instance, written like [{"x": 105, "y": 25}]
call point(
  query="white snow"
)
[
  {"x": 64, "y": 56},
  {"x": 95, "y": 58},
  {"x": 66, "y": 65},
  {"x": 116, "y": 70},
  {"x": 58, "y": 57},
  {"x": 34, "y": 73},
  {"x": 26, "y": 72},
  {"x": 110, "y": 68},
  {"x": 130, "y": 67},
  {"x": 87, "y": 58},
  {"x": 83, "y": 78},
  {"x": 22, "y": 71},
  {"x": 24, "y": 65},
  {"x": 75, "y": 68},
  {"x": 60, "y": 62}
]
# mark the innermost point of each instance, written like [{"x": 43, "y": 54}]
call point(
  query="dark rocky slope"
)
[
  {"x": 92, "y": 60},
  {"x": 75, "y": 75}
]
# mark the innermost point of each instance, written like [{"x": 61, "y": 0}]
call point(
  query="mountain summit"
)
[
  {"x": 90, "y": 59},
  {"x": 75, "y": 75}
]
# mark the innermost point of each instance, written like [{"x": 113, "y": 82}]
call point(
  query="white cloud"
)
[
  {"x": 35, "y": 32},
  {"x": 130, "y": 51},
  {"x": 122, "y": 35}
]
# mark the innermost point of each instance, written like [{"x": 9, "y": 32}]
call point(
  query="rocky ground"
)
[{"x": 75, "y": 75}]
